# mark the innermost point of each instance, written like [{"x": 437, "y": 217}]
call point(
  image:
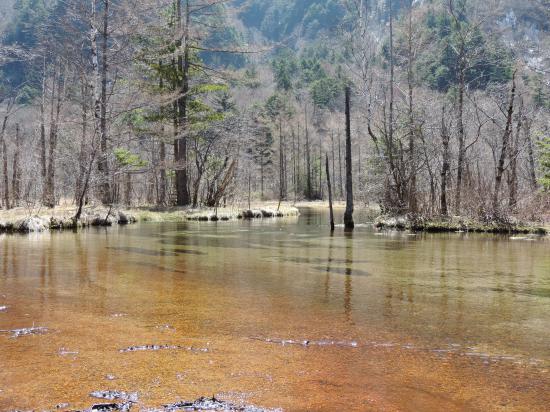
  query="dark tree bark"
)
[
  {"x": 530, "y": 156},
  {"x": 340, "y": 174},
  {"x": 413, "y": 207},
  {"x": 512, "y": 175},
  {"x": 83, "y": 142},
  {"x": 182, "y": 178},
  {"x": 16, "y": 179},
  {"x": 348, "y": 215},
  {"x": 308, "y": 161},
  {"x": 504, "y": 147},
  {"x": 5, "y": 165},
  {"x": 103, "y": 163},
  {"x": 446, "y": 164},
  {"x": 162, "y": 151},
  {"x": 58, "y": 91},
  {"x": 282, "y": 189},
  {"x": 461, "y": 69},
  {"x": 43, "y": 127}
]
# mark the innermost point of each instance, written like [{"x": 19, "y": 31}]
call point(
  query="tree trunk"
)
[
  {"x": 43, "y": 128},
  {"x": 512, "y": 177},
  {"x": 103, "y": 163},
  {"x": 445, "y": 138},
  {"x": 5, "y": 161},
  {"x": 308, "y": 161},
  {"x": 16, "y": 180},
  {"x": 281, "y": 163},
  {"x": 412, "y": 154},
  {"x": 340, "y": 173},
  {"x": 530, "y": 156},
  {"x": 348, "y": 215},
  {"x": 320, "y": 170},
  {"x": 83, "y": 141},
  {"x": 298, "y": 161},
  {"x": 504, "y": 147},
  {"x": 182, "y": 178},
  {"x": 57, "y": 83}
]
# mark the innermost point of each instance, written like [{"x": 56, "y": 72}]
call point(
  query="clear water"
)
[{"x": 394, "y": 321}]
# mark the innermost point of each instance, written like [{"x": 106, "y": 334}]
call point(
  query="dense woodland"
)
[{"x": 210, "y": 102}]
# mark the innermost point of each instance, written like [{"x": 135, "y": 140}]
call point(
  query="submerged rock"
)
[
  {"x": 35, "y": 330},
  {"x": 306, "y": 342},
  {"x": 161, "y": 347},
  {"x": 108, "y": 407},
  {"x": 213, "y": 404},
  {"x": 114, "y": 395},
  {"x": 3, "y": 308}
]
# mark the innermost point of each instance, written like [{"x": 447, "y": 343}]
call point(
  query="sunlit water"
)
[{"x": 394, "y": 321}]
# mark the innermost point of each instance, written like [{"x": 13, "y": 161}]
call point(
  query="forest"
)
[{"x": 202, "y": 103}]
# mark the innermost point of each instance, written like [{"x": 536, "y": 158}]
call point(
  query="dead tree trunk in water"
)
[
  {"x": 348, "y": 215},
  {"x": 329, "y": 187}
]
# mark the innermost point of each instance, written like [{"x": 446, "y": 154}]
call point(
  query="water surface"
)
[{"x": 277, "y": 313}]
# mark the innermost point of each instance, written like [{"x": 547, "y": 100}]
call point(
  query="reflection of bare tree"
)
[
  {"x": 329, "y": 263},
  {"x": 347, "y": 285}
]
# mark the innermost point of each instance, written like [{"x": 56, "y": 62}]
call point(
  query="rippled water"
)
[{"x": 276, "y": 313}]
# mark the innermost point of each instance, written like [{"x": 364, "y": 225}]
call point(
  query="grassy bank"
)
[
  {"x": 459, "y": 224},
  {"x": 25, "y": 220}
]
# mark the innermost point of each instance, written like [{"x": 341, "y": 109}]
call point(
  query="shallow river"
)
[{"x": 277, "y": 314}]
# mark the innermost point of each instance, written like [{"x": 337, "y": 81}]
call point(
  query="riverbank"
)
[
  {"x": 459, "y": 224},
  {"x": 23, "y": 220}
]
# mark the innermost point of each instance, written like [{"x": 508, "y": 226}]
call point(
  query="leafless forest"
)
[{"x": 126, "y": 102}]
